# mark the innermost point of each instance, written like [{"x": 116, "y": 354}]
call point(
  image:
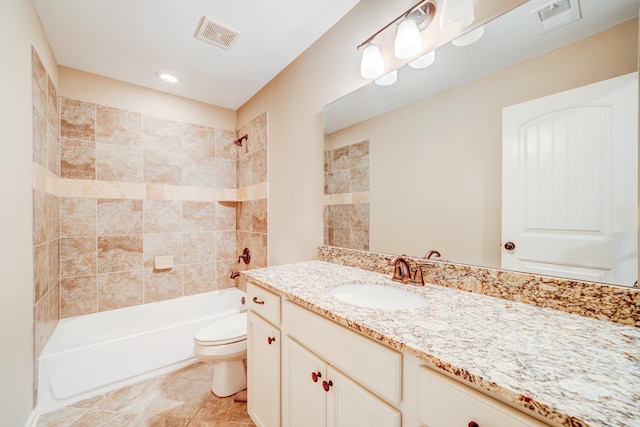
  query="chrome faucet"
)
[{"x": 402, "y": 272}]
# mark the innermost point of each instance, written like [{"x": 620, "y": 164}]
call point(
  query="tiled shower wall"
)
[
  {"x": 46, "y": 205},
  {"x": 346, "y": 196}
]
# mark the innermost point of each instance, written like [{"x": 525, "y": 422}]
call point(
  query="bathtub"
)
[{"x": 94, "y": 353}]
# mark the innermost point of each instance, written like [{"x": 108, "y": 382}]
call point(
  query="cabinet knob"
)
[
  {"x": 327, "y": 385},
  {"x": 257, "y": 301},
  {"x": 473, "y": 424},
  {"x": 315, "y": 376},
  {"x": 271, "y": 340}
]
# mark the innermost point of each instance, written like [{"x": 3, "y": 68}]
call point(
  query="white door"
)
[
  {"x": 570, "y": 183},
  {"x": 303, "y": 398},
  {"x": 263, "y": 372},
  {"x": 350, "y": 405}
]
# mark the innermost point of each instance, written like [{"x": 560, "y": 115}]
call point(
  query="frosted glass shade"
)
[
  {"x": 408, "y": 39},
  {"x": 424, "y": 61},
  {"x": 456, "y": 15},
  {"x": 372, "y": 64},
  {"x": 387, "y": 79},
  {"x": 469, "y": 38}
]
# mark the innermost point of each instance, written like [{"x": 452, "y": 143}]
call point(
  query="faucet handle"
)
[{"x": 417, "y": 278}]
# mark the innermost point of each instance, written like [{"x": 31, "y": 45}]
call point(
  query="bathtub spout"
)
[{"x": 234, "y": 275}]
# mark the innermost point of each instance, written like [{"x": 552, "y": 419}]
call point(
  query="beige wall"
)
[
  {"x": 326, "y": 71},
  {"x": 436, "y": 164},
  {"x": 19, "y": 30}
]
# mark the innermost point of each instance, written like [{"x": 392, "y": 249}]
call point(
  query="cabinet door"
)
[
  {"x": 303, "y": 398},
  {"x": 263, "y": 372},
  {"x": 350, "y": 405}
]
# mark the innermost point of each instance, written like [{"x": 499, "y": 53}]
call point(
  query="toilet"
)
[{"x": 224, "y": 344}]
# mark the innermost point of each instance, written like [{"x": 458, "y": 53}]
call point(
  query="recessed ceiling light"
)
[{"x": 168, "y": 78}]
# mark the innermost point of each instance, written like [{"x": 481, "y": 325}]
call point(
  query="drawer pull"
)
[
  {"x": 473, "y": 424},
  {"x": 327, "y": 385},
  {"x": 257, "y": 301},
  {"x": 271, "y": 340},
  {"x": 315, "y": 376}
]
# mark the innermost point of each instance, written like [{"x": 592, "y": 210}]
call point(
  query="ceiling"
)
[{"x": 135, "y": 40}]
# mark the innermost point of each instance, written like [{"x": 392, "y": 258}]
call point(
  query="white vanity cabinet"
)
[
  {"x": 447, "y": 403},
  {"x": 316, "y": 392},
  {"x": 263, "y": 357}
]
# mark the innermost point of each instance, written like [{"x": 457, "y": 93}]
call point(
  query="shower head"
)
[{"x": 238, "y": 141}]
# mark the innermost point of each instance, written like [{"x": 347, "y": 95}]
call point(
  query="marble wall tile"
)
[
  {"x": 225, "y": 148},
  {"x": 162, "y": 244},
  {"x": 162, "y": 216},
  {"x": 259, "y": 216},
  {"x": 53, "y": 217},
  {"x": 341, "y": 159},
  {"x": 53, "y": 102},
  {"x": 162, "y": 166},
  {"x": 360, "y": 215},
  {"x": 162, "y": 285},
  {"x": 328, "y": 161},
  {"x": 40, "y": 320},
  {"x": 341, "y": 237},
  {"x": 244, "y": 171},
  {"x": 359, "y": 239},
  {"x": 198, "y": 171},
  {"x": 200, "y": 277},
  {"x": 224, "y": 268},
  {"x": 247, "y": 145},
  {"x": 119, "y": 216},
  {"x": 119, "y": 290},
  {"x": 118, "y": 127},
  {"x": 77, "y": 159},
  {"x": 198, "y": 216},
  {"x": 40, "y": 271},
  {"x": 243, "y": 240},
  {"x": 341, "y": 216},
  {"x": 225, "y": 245},
  {"x": 77, "y": 217},
  {"x": 53, "y": 150},
  {"x": 78, "y": 295},
  {"x": 359, "y": 180},
  {"x": 53, "y": 249},
  {"x": 39, "y": 217},
  {"x": 244, "y": 216},
  {"x": 225, "y": 173},
  {"x": 78, "y": 256},
  {"x": 198, "y": 247},
  {"x": 40, "y": 136},
  {"x": 259, "y": 132},
  {"x": 119, "y": 253},
  {"x": 259, "y": 167},
  {"x": 39, "y": 82},
  {"x": 54, "y": 306},
  {"x": 161, "y": 134},
  {"x": 259, "y": 250},
  {"x": 359, "y": 155},
  {"x": 198, "y": 141},
  {"x": 119, "y": 163},
  {"x": 226, "y": 216},
  {"x": 77, "y": 120},
  {"x": 341, "y": 182}
]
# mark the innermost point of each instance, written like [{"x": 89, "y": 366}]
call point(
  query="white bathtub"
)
[{"x": 91, "y": 354}]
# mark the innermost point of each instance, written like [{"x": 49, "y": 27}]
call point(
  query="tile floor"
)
[{"x": 181, "y": 398}]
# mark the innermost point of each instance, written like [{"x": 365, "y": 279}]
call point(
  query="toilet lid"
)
[{"x": 227, "y": 330}]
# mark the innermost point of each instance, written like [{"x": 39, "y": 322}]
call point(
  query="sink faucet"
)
[
  {"x": 432, "y": 253},
  {"x": 402, "y": 272}
]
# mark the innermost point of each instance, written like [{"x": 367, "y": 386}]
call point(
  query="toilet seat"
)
[{"x": 227, "y": 330}]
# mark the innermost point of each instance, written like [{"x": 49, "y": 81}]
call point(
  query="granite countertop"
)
[{"x": 570, "y": 369}]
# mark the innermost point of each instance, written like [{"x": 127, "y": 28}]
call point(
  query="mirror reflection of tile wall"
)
[{"x": 346, "y": 196}]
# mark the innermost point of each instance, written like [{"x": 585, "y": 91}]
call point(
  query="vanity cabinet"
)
[
  {"x": 263, "y": 357},
  {"x": 445, "y": 402}
]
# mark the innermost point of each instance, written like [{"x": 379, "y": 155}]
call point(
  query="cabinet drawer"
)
[
  {"x": 263, "y": 302},
  {"x": 374, "y": 366},
  {"x": 445, "y": 403}
]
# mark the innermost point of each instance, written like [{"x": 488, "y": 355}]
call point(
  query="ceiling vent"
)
[
  {"x": 556, "y": 14},
  {"x": 216, "y": 33}
]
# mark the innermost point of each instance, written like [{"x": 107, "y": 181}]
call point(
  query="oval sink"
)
[{"x": 378, "y": 296}]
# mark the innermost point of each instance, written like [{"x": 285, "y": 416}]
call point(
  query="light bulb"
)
[
  {"x": 387, "y": 79},
  {"x": 469, "y": 38},
  {"x": 424, "y": 61},
  {"x": 372, "y": 64},
  {"x": 408, "y": 39},
  {"x": 456, "y": 15},
  {"x": 168, "y": 78}
]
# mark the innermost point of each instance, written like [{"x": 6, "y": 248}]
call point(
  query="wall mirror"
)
[{"x": 435, "y": 141}]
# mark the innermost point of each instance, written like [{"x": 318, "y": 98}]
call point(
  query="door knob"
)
[{"x": 509, "y": 246}]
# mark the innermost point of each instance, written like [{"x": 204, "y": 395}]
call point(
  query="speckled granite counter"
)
[{"x": 571, "y": 369}]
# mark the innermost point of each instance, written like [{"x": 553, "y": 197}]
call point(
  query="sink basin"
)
[{"x": 378, "y": 296}]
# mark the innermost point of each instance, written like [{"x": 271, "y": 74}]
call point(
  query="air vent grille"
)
[
  {"x": 216, "y": 33},
  {"x": 556, "y": 14}
]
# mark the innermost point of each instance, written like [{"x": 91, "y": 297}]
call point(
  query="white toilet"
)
[{"x": 224, "y": 343}]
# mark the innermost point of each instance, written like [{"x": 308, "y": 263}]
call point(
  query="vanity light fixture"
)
[
  {"x": 455, "y": 16},
  {"x": 168, "y": 78},
  {"x": 408, "y": 40},
  {"x": 469, "y": 38},
  {"x": 387, "y": 79},
  {"x": 424, "y": 61}
]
